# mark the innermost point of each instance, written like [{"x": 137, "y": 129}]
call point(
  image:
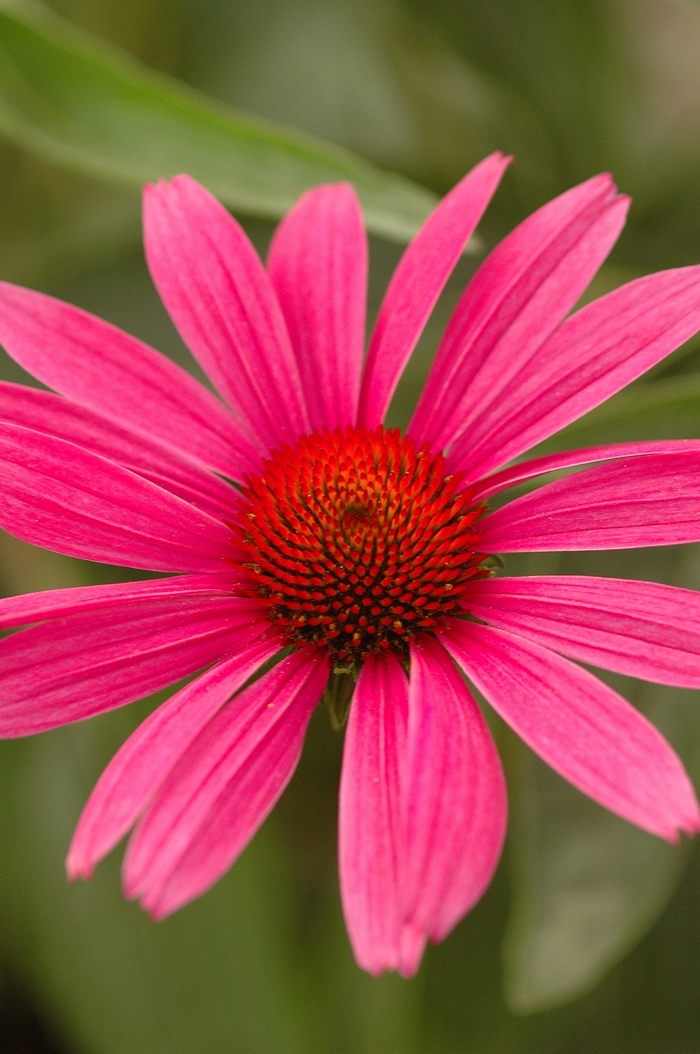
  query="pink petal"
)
[
  {"x": 587, "y": 732},
  {"x": 318, "y": 268},
  {"x": 638, "y": 628},
  {"x": 454, "y": 803},
  {"x": 540, "y": 466},
  {"x": 57, "y": 603},
  {"x": 139, "y": 767},
  {"x": 219, "y": 296},
  {"x": 215, "y": 798},
  {"x": 83, "y": 664},
  {"x": 167, "y": 467},
  {"x": 370, "y": 820},
  {"x": 418, "y": 281},
  {"x": 515, "y": 301},
  {"x": 99, "y": 366},
  {"x": 64, "y": 498},
  {"x": 591, "y": 356},
  {"x": 652, "y": 500}
]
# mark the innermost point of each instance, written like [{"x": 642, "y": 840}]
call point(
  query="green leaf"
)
[
  {"x": 586, "y": 884},
  {"x": 79, "y": 103},
  {"x": 663, "y": 409},
  {"x": 587, "y": 887}
]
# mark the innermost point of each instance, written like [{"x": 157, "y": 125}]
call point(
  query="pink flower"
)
[{"x": 361, "y": 549}]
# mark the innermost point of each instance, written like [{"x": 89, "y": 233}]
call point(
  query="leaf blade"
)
[{"x": 82, "y": 104}]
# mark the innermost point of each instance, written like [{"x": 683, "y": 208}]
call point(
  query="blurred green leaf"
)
[
  {"x": 587, "y": 885},
  {"x": 77, "y": 102},
  {"x": 663, "y": 409}
]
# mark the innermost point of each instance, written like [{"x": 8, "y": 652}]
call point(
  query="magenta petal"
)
[
  {"x": 371, "y": 820},
  {"x": 587, "y": 732},
  {"x": 57, "y": 603},
  {"x": 591, "y": 356},
  {"x": 642, "y": 629},
  {"x": 99, "y": 366},
  {"x": 514, "y": 302},
  {"x": 213, "y": 801},
  {"x": 318, "y": 268},
  {"x": 139, "y": 767},
  {"x": 418, "y": 281},
  {"x": 59, "y": 496},
  {"x": 167, "y": 467},
  {"x": 540, "y": 466},
  {"x": 83, "y": 664},
  {"x": 652, "y": 500},
  {"x": 454, "y": 803},
  {"x": 218, "y": 294}
]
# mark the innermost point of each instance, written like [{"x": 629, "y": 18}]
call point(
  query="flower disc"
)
[{"x": 358, "y": 541}]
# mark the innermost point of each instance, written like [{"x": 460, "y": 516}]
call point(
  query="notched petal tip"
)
[
  {"x": 690, "y": 825},
  {"x": 78, "y": 868}
]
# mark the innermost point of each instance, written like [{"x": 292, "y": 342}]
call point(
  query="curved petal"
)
[
  {"x": 219, "y": 296},
  {"x": 652, "y": 500},
  {"x": 101, "y": 367},
  {"x": 540, "y": 466},
  {"x": 418, "y": 281},
  {"x": 515, "y": 301},
  {"x": 592, "y": 355},
  {"x": 454, "y": 803},
  {"x": 140, "y": 765},
  {"x": 318, "y": 268},
  {"x": 587, "y": 732},
  {"x": 59, "y": 496},
  {"x": 370, "y": 821},
  {"x": 144, "y": 455},
  {"x": 83, "y": 664},
  {"x": 213, "y": 801},
  {"x": 642, "y": 629},
  {"x": 57, "y": 603}
]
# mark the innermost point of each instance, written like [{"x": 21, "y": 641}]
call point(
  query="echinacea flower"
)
[{"x": 298, "y": 529}]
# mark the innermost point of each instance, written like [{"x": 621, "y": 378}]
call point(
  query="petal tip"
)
[
  {"x": 78, "y": 867},
  {"x": 413, "y": 941}
]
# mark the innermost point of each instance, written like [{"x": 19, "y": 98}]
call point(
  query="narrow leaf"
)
[{"x": 80, "y": 103}]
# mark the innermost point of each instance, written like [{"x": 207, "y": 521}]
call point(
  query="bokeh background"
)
[{"x": 589, "y": 939}]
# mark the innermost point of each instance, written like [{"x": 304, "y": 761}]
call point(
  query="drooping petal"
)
[
  {"x": 213, "y": 801},
  {"x": 83, "y": 664},
  {"x": 57, "y": 603},
  {"x": 139, "y": 767},
  {"x": 587, "y": 732},
  {"x": 454, "y": 803},
  {"x": 648, "y": 500},
  {"x": 218, "y": 294},
  {"x": 167, "y": 467},
  {"x": 515, "y": 301},
  {"x": 418, "y": 281},
  {"x": 67, "y": 499},
  {"x": 318, "y": 268},
  {"x": 642, "y": 629},
  {"x": 540, "y": 466},
  {"x": 371, "y": 824},
  {"x": 591, "y": 356},
  {"x": 101, "y": 367}
]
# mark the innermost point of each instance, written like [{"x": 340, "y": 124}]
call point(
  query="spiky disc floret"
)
[{"x": 358, "y": 541}]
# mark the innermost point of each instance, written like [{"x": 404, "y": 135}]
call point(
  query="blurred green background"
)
[{"x": 589, "y": 939}]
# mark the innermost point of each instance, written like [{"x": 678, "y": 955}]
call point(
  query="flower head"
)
[
  {"x": 300, "y": 532},
  {"x": 358, "y": 543}
]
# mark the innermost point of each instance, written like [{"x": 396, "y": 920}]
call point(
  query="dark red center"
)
[{"x": 358, "y": 541}]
